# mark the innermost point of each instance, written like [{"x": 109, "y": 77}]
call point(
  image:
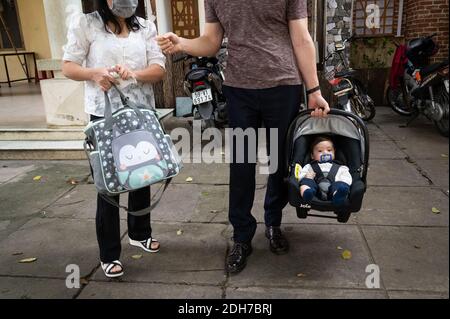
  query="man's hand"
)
[
  {"x": 169, "y": 43},
  {"x": 124, "y": 72},
  {"x": 103, "y": 78},
  {"x": 318, "y": 104}
]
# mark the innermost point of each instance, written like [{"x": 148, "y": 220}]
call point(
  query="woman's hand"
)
[
  {"x": 318, "y": 104},
  {"x": 103, "y": 78},
  {"x": 124, "y": 72},
  {"x": 170, "y": 43}
]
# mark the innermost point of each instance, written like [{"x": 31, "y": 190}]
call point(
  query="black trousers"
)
[
  {"x": 248, "y": 108},
  {"x": 108, "y": 222}
]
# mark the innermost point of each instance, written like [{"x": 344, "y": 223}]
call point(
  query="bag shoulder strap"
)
[{"x": 155, "y": 202}]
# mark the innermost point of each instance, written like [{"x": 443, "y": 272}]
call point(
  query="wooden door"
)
[{"x": 185, "y": 18}]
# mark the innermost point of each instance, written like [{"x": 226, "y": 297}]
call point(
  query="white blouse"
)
[{"x": 89, "y": 43}]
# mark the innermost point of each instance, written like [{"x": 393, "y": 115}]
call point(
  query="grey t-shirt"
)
[{"x": 260, "y": 53}]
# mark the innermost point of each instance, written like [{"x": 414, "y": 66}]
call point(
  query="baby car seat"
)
[{"x": 351, "y": 140}]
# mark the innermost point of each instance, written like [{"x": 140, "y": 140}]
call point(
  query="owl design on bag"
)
[{"x": 138, "y": 160}]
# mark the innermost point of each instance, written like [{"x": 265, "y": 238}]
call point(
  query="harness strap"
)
[
  {"x": 333, "y": 172},
  {"x": 316, "y": 168}
]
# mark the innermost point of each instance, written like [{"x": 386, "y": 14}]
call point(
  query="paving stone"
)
[
  {"x": 55, "y": 243},
  {"x": 409, "y": 206},
  {"x": 410, "y": 258},
  {"x": 34, "y": 288},
  {"x": 196, "y": 256},
  {"x": 314, "y": 252},
  {"x": 302, "y": 293},
  {"x": 124, "y": 290},
  {"x": 383, "y": 172}
]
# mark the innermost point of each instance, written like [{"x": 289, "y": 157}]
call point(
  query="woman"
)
[{"x": 110, "y": 41}]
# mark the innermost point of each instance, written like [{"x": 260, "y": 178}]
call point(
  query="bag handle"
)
[{"x": 125, "y": 103}]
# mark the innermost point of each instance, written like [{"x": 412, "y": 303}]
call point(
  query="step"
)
[
  {"x": 47, "y": 143},
  {"x": 41, "y": 134},
  {"x": 41, "y": 150},
  {"x": 71, "y": 133}
]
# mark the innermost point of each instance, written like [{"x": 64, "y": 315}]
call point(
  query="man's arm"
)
[
  {"x": 305, "y": 53},
  {"x": 206, "y": 45}
]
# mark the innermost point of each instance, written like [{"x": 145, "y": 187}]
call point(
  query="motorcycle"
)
[
  {"x": 420, "y": 88},
  {"x": 203, "y": 82},
  {"x": 351, "y": 94}
]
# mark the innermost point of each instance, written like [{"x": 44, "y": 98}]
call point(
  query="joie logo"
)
[
  {"x": 373, "y": 279},
  {"x": 305, "y": 206},
  {"x": 73, "y": 279}
]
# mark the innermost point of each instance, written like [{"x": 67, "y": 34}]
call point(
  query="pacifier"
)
[{"x": 326, "y": 158}]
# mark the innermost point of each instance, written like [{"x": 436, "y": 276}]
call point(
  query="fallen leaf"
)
[
  {"x": 37, "y": 178},
  {"x": 300, "y": 275},
  {"x": 17, "y": 254},
  {"x": 444, "y": 155},
  {"x": 73, "y": 182},
  {"x": 189, "y": 179},
  {"x": 179, "y": 232},
  {"x": 417, "y": 247},
  {"x": 84, "y": 281},
  {"x": 339, "y": 248},
  {"x": 28, "y": 260},
  {"x": 347, "y": 254},
  {"x": 214, "y": 211},
  {"x": 136, "y": 256},
  {"x": 435, "y": 210}
]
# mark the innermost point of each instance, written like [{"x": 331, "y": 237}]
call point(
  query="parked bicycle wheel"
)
[{"x": 362, "y": 103}]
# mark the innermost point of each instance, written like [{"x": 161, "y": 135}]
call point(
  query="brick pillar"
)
[{"x": 425, "y": 17}]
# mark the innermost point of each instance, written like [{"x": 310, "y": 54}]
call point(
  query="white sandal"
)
[
  {"x": 107, "y": 269},
  {"x": 145, "y": 244}
]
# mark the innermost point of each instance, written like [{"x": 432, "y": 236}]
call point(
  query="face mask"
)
[{"x": 124, "y": 8}]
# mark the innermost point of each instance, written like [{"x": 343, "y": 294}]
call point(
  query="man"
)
[{"x": 270, "y": 54}]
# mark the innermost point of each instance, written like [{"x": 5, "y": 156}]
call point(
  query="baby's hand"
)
[{"x": 310, "y": 174}]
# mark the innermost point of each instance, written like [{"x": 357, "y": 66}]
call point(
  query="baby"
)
[{"x": 324, "y": 177}]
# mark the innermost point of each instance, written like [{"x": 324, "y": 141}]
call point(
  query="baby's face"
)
[{"x": 323, "y": 148}]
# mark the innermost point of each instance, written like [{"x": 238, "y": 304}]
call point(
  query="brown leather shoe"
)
[{"x": 278, "y": 243}]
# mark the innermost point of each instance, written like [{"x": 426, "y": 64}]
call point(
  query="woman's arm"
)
[{"x": 153, "y": 73}]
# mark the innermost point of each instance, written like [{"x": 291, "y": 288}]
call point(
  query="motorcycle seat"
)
[
  {"x": 197, "y": 74},
  {"x": 345, "y": 73},
  {"x": 430, "y": 69}
]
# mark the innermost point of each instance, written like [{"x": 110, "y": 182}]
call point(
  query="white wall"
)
[
  {"x": 57, "y": 13},
  {"x": 163, "y": 16},
  {"x": 201, "y": 15}
]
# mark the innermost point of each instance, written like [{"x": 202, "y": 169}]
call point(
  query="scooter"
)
[
  {"x": 421, "y": 88},
  {"x": 351, "y": 94},
  {"x": 203, "y": 82}
]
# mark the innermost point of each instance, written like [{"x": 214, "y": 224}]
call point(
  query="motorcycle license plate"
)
[
  {"x": 201, "y": 97},
  {"x": 446, "y": 85}
]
